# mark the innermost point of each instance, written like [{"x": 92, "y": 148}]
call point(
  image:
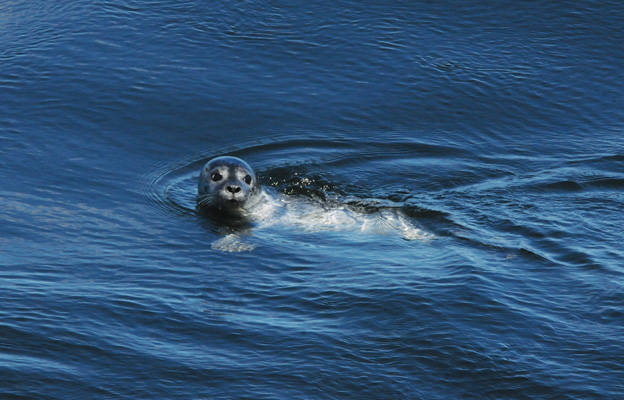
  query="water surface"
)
[{"x": 494, "y": 129}]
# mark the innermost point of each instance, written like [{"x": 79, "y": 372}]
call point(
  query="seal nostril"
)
[{"x": 233, "y": 189}]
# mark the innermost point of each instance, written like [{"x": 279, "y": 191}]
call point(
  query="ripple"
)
[
  {"x": 600, "y": 183},
  {"x": 313, "y": 176}
]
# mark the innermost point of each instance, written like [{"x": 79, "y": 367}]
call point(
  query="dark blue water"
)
[{"x": 495, "y": 129}]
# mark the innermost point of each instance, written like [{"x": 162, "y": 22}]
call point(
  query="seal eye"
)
[
  {"x": 248, "y": 179},
  {"x": 216, "y": 176}
]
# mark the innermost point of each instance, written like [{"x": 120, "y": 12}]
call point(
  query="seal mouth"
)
[{"x": 233, "y": 202}]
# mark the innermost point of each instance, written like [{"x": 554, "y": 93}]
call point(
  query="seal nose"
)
[{"x": 233, "y": 189}]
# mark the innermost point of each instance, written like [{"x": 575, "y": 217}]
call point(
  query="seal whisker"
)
[{"x": 203, "y": 200}]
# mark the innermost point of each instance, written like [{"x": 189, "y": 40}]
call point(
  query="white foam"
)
[
  {"x": 232, "y": 243},
  {"x": 313, "y": 216}
]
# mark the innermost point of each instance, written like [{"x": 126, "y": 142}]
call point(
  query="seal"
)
[{"x": 226, "y": 186}]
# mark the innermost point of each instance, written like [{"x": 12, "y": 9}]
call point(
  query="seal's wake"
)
[
  {"x": 293, "y": 212},
  {"x": 228, "y": 187},
  {"x": 314, "y": 216}
]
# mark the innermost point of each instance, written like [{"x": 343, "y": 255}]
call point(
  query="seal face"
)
[{"x": 226, "y": 185}]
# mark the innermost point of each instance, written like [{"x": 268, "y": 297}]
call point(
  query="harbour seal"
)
[{"x": 226, "y": 186}]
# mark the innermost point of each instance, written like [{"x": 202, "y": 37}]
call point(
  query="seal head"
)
[{"x": 226, "y": 185}]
